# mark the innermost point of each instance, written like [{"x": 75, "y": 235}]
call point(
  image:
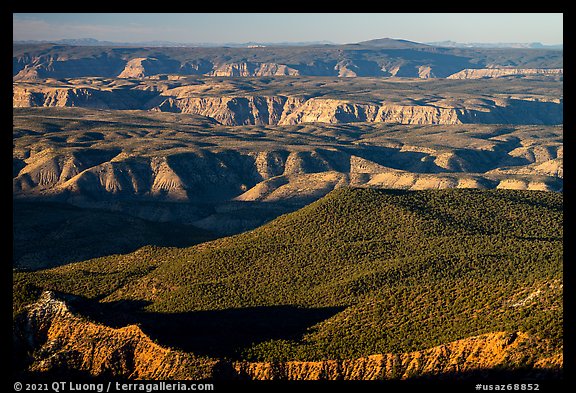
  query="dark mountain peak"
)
[{"x": 392, "y": 43}]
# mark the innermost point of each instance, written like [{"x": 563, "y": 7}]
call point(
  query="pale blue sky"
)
[{"x": 546, "y": 28}]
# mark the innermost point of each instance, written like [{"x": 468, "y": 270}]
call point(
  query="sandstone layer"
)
[
  {"x": 65, "y": 342},
  {"x": 126, "y": 163},
  {"x": 500, "y": 72},
  {"x": 232, "y": 105},
  {"x": 380, "y": 58}
]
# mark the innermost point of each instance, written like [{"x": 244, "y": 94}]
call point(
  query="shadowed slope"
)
[{"x": 399, "y": 271}]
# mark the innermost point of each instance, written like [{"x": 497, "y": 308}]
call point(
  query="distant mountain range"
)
[
  {"x": 386, "y": 42},
  {"x": 95, "y": 42},
  {"x": 523, "y": 45}
]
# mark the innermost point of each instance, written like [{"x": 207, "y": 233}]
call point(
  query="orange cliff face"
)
[
  {"x": 64, "y": 342},
  {"x": 70, "y": 342},
  {"x": 483, "y": 352}
]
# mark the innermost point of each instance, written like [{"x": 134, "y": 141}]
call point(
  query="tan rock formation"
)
[
  {"x": 134, "y": 69},
  {"x": 486, "y": 351},
  {"x": 142, "y": 67},
  {"x": 274, "y": 69},
  {"x": 471, "y": 73},
  {"x": 232, "y": 110},
  {"x": 63, "y": 341},
  {"x": 425, "y": 72},
  {"x": 71, "y": 342},
  {"x": 86, "y": 97},
  {"x": 253, "y": 69},
  {"x": 224, "y": 102}
]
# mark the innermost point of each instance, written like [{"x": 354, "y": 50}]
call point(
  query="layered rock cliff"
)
[
  {"x": 341, "y": 111},
  {"x": 500, "y": 72},
  {"x": 253, "y": 69},
  {"x": 62, "y": 342},
  {"x": 395, "y": 57},
  {"x": 51, "y": 338},
  {"x": 141, "y": 67},
  {"x": 82, "y": 96},
  {"x": 484, "y": 352},
  {"x": 246, "y": 109},
  {"x": 124, "y": 155}
]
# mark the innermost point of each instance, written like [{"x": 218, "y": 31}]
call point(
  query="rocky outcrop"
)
[
  {"x": 500, "y": 72},
  {"x": 253, "y": 69},
  {"x": 275, "y": 69},
  {"x": 64, "y": 342},
  {"x": 149, "y": 66},
  {"x": 85, "y": 97},
  {"x": 273, "y": 175},
  {"x": 484, "y": 352},
  {"x": 67, "y": 343},
  {"x": 61, "y": 65},
  {"x": 282, "y": 110},
  {"x": 325, "y": 110},
  {"x": 59, "y": 97},
  {"x": 425, "y": 72},
  {"x": 246, "y": 109}
]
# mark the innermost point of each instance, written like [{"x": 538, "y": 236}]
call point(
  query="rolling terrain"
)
[
  {"x": 43, "y": 231},
  {"x": 386, "y": 210},
  {"x": 299, "y": 100},
  {"x": 186, "y": 169},
  {"x": 338, "y": 285},
  {"x": 381, "y": 58}
]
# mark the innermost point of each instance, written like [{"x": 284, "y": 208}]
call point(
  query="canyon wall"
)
[
  {"x": 67, "y": 343},
  {"x": 391, "y": 58},
  {"x": 236, "y": 110},
  {"x": 500, "y": 72}
]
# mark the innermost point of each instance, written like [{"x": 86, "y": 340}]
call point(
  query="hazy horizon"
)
[{"x": 337, "y": 28}]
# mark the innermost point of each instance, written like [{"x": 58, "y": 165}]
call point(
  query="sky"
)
[{"x": 342, "y": 28}]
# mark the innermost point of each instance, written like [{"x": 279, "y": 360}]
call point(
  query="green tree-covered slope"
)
[{"x": 358, "y": 272}]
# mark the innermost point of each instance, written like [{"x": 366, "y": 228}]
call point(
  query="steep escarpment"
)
[
  {"x": 283, "y": 109},
  {"x": 296, "y": 110},
  {"x": 393, "y": 58},
  {"x": 478, "y": 354},
  {"x": 51, "y": 339},
  {"x": 64, "y": 343},
  {"x": 339, "y": 111},
  {"x": 100, "y": 158},
  {"x": 255, "y": 110},
  {"x": 253, "y": 69},
  {"x": 500, "y": 72},
  {"x": 141, "y": 67},
  {"x": 84, "y": 96}
]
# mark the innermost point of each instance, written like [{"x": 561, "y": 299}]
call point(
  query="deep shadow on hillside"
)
[
  {"x": 214, "y": 333},
  {"x": 48, "y": 234}
]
